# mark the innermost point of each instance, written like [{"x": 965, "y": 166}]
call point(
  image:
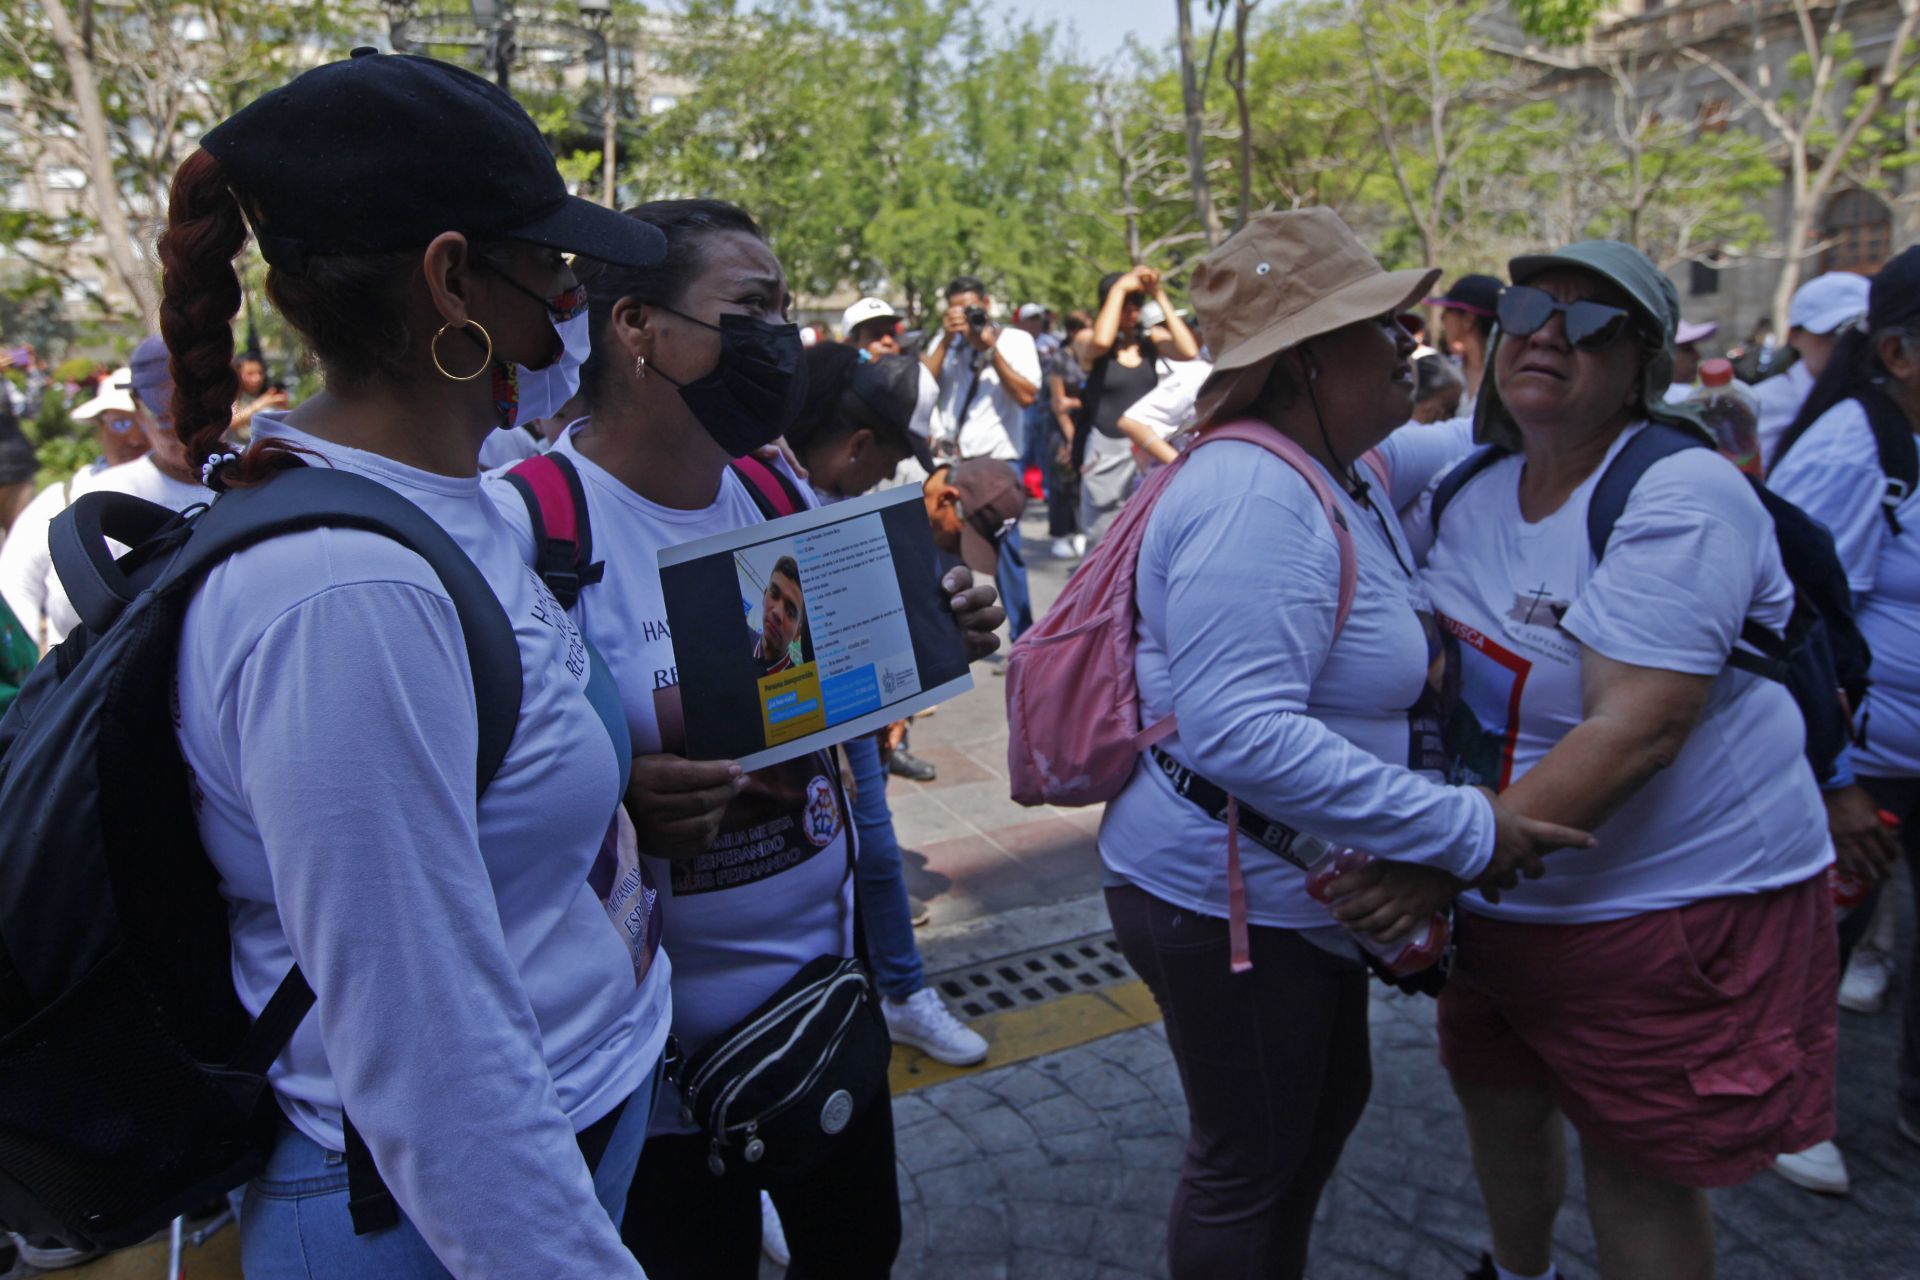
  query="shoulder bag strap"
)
[{"x": 1899, "y": 456}]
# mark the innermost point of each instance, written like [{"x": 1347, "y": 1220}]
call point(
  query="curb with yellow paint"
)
[{"x": 1020, "y": 1034}]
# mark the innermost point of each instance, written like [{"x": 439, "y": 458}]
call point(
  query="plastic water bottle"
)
[
  {"x": 1327, "y": 863},
  {"x": 1731, "y": 413},
  {"x": 1850, "y": 891}
]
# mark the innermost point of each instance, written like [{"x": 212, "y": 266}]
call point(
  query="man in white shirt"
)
[
  {"x": 163, "y": 474},
  {"x": 988, "y": 376},
  {"x": 1821, "y": 308}
]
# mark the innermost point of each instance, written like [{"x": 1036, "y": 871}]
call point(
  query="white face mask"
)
[{"x": 544, "y": 391}]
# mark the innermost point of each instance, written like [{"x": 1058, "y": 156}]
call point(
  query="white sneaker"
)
[
  {"x": 1062, "y": 549},
  {"x": 923, "y": 1021},
  {"x": 50, "y": 1257},
  {"x": 773, "y": 1236},
  {"x": 1863, "y": 989},
  {"x": 1819, "y": 1168},
  {"x": 1079, "y": 544}
]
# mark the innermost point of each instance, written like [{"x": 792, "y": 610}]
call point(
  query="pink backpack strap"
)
[
  {"x": 770, "y": 490},
  {"x": 1284, "y": 448},
  {"x": 1376, "y": 462},
  {"x": 562, "y": 533},
  {"x": 1239, "y": 943}
]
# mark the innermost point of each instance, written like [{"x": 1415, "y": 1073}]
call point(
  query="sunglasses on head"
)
[{"x": 1524, "y": 311}]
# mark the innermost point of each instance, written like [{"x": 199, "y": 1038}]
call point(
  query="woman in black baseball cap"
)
[
  {"x": 861, "y": 419},
  {"x": 491, "y": 1033}
]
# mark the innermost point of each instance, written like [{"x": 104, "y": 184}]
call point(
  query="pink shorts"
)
[{"x": 1698, "y": 1041}]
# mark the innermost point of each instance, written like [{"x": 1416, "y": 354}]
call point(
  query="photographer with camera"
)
[
  {"x": 988, "y": 376},
  {"x": 256, "y": 391}
]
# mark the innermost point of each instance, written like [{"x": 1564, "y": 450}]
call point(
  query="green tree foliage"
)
[
  {"x": 889, "y": 147},
  {"x": 1556, "y": 22},
  {"x": 163, "y": 72}
]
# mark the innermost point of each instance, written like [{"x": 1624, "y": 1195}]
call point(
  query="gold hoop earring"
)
[
  {"x": 433, "y": 349},
  {"x": 640, "y": 368}
]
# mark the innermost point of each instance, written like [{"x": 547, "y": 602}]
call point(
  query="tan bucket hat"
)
[{"x": 1282, "y": 279}]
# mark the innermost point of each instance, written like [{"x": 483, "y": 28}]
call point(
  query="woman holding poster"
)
[{"x": 694, "y": 366}]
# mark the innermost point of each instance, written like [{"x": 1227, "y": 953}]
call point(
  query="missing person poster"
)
[{"x": 806, "y": 631}]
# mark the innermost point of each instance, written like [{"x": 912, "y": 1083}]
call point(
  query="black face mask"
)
[{"x": 755, "y": 391}]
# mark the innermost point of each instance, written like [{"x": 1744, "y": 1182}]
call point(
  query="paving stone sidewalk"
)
[{"x": 1061, "y": 1168}]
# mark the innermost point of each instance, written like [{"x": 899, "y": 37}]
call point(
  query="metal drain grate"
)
[{"x": 1034, "y": 977}]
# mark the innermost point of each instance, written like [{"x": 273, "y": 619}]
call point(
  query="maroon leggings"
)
[{"x": 1276, "y": 1068}]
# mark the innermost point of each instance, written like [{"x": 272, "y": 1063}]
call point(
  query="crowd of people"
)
[{"x": 1561, "y": 717}]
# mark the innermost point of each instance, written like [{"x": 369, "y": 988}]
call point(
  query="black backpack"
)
[
  {"x": 1822, "y": 658},
  {"x": 132, "y": 1083}
]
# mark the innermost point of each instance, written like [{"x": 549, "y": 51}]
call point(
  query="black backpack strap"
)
[
  {"x": 1456, "y": 480},
  {"x": 768, "y": 486},
  {"x": 1899, "y": 456},
  {"x": 1656, "y": 441},
  {"x": 562, "y": 525},
  {"x": 320, "y": 498},
  {"x": 96, "y": 585},
  {"x": 370, "y": 1203}
]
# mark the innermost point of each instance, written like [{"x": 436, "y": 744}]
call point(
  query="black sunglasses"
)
[{"x": 1590, "y": 326}]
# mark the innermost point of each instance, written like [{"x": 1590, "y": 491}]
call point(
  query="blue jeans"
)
[
  {"x": 295, "y": 1225},
  {"x": 1037, "y": 418},
  {"x": 1012, "y": 575},
  {"x": 881, "y": 884}
]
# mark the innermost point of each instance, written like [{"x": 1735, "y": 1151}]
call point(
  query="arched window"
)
[{"x": 1858, "y": 231}]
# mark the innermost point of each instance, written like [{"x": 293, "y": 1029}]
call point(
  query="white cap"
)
[
  {"x": 1688, "y": 332},
  {"x": 1030, "y": 311},
  {"x": 864, "y": 310},
  {"x": 1152, "y": 314},
  {"x": 114, "y": 397},
  {"x": 1824, "y": 303}
]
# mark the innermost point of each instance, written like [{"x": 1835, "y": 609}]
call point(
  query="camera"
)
[{"x": 977, "y": 319}]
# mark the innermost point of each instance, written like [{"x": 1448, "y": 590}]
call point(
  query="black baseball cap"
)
[
  {"x": 383, "y": 152},
  {"x": 1894, "y": 295},
  {"x": 1475, "y": 294},
  {"x": 886, "y": 397}
]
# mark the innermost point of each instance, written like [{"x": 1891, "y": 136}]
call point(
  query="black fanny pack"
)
[
  {"x": 779, "y": 1088},
  {"x": 777, "y": 1091}
]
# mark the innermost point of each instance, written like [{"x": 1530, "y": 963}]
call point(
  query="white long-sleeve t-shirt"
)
[
  {"x": 1833, "y": 474},
  {"x": 26, "y": 565},
  {"x": 1237, "y": 590},
  {"x": 476, "y": 1007}
]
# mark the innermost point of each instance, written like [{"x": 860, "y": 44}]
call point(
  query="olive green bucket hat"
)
[{"x": 1651, "y": 296}]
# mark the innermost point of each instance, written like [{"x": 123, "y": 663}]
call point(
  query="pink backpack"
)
[{"x": 1073, "y": 705}]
